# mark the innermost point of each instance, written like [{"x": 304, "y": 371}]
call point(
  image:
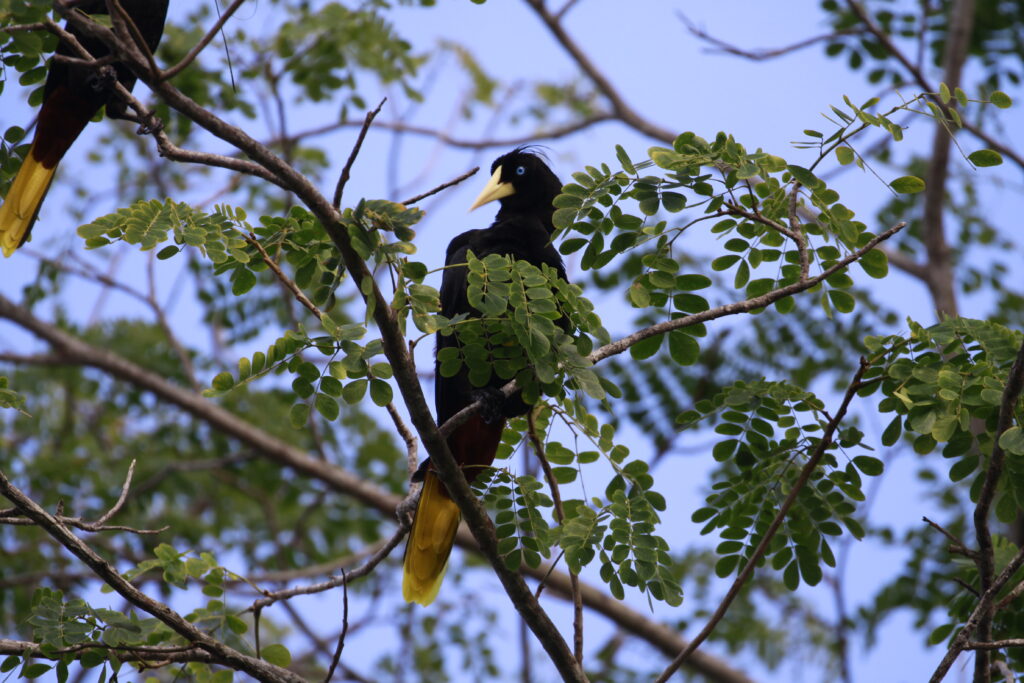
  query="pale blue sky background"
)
[{"x": 667, "y": 76}]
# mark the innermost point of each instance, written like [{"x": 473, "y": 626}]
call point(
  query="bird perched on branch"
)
[
  {"x": 526, "y": 188},
  {"x": 73, "y": 93}
]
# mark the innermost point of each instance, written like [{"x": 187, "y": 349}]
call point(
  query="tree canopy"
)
[{"x": 215, "y": 351}]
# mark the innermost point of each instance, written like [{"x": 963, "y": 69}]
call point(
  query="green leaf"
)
[
  {"x": 841, "y": 301},
  {"x": 892, "y": 432},
  {"x": 354, "y": 391},
  {"x": 908, "y": 184},
  {"x": 223, "y": 381},
  {"x": 1000, "y": 99},
  {"x": 940, "y": 633},
  {"x": 803, "y": 176},
  {"x": 35, "y": 670},
  {"x": 1012, "y": 440},
  {"x": 875, "y": 263},
  {"x": 380, "y": 392},
  {"x": 845, "y": 155},
  {"x": 623, "y": 158},
  {"x": 868, "y": 465},
  {"x": 276, "y": 654},
  {"x": 326, "y": 406},
  {"x": 683, "y": 348},
  {"x": 299, "y": 415},
  {"x": 985, "y": 157},
  {"x": 242, "y": 281}
]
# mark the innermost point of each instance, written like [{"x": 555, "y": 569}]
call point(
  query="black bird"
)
[
  {"x": 71, "y": 97},
  {"x": 526, "y": 188}
]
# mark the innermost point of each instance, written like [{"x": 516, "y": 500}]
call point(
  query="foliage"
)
[{"x": 296, "y": 351}]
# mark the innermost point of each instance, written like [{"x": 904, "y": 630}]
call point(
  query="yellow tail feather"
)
[
  {"x": 430, "y": 542},
  {"x": 23, "y": 199}
]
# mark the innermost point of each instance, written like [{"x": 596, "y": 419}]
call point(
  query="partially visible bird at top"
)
[
  {"x": 71, "y": 97},
  {"x": 522, "y": 229}
]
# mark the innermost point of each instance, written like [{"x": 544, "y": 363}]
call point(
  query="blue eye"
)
[{"x": 520, "y": 170}]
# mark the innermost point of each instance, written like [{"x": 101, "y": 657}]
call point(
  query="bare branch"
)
[
  {"x": 343, "y": 178},
  {"x": 147, "y": 655},
  {"x": 621, "y": 109},
  {"x": 269, "y": 598},
  {"x": 995, "y": 644},
  {"x": 985, "y": 557},
  {"x": 442, "y": 186},
  {"x": 759, "y": 54},
  {"x": 447, "y": 139},
  {"x": 173, "y": 71},
  {"x": 984, "y": 605},
  {"x": 10, "y": 516}
]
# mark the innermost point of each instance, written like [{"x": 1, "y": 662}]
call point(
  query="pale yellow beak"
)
[{"x": 494, "y": 189}]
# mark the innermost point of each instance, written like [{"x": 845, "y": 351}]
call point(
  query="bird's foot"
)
[
  {"x": 492, "y": 402},
  {"x": 153, "y": 124},
  {"x": 405, "y": 511}
]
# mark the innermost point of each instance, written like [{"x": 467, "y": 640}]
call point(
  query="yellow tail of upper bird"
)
[
  {"x": 22, "y": 202},
  {"x": 430, "y": 542}
]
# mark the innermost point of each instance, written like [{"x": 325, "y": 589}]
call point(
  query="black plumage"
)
[
  {"x": 71, "y": 97},
  {"x": 523, "y": 228}
]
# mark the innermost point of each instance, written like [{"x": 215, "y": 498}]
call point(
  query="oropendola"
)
[
  {"x": 526, "y": 188},
  {"x": 72, "y": 95}
]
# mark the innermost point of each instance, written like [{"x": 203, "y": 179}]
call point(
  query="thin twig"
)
[
  {"x": 122, "y": 498},
  {"x": 270, "y": 597},
  {"x": 170, "y": 73},
  {"x": 442, "y": 186},
  {"x": 344, "y": 629},
  {"x": 411, "y": 443},
  {"x": 343, "y": 178},
  {"x": 288, "y": 283},
  {"x": 958, "y": 545},
  {"x": 760, "y": 54},
  {"x": 556, "y": 496}
]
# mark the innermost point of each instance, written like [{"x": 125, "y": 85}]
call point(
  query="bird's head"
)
[{"x": 522, "y": 182}]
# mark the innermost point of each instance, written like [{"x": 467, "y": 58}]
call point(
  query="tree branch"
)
[
  {"x": 755, "y": 558},
  {"x": 257, "y": 668},
  {"x": 621, "y": 109},
  {"x": 74, "y": 351}
]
